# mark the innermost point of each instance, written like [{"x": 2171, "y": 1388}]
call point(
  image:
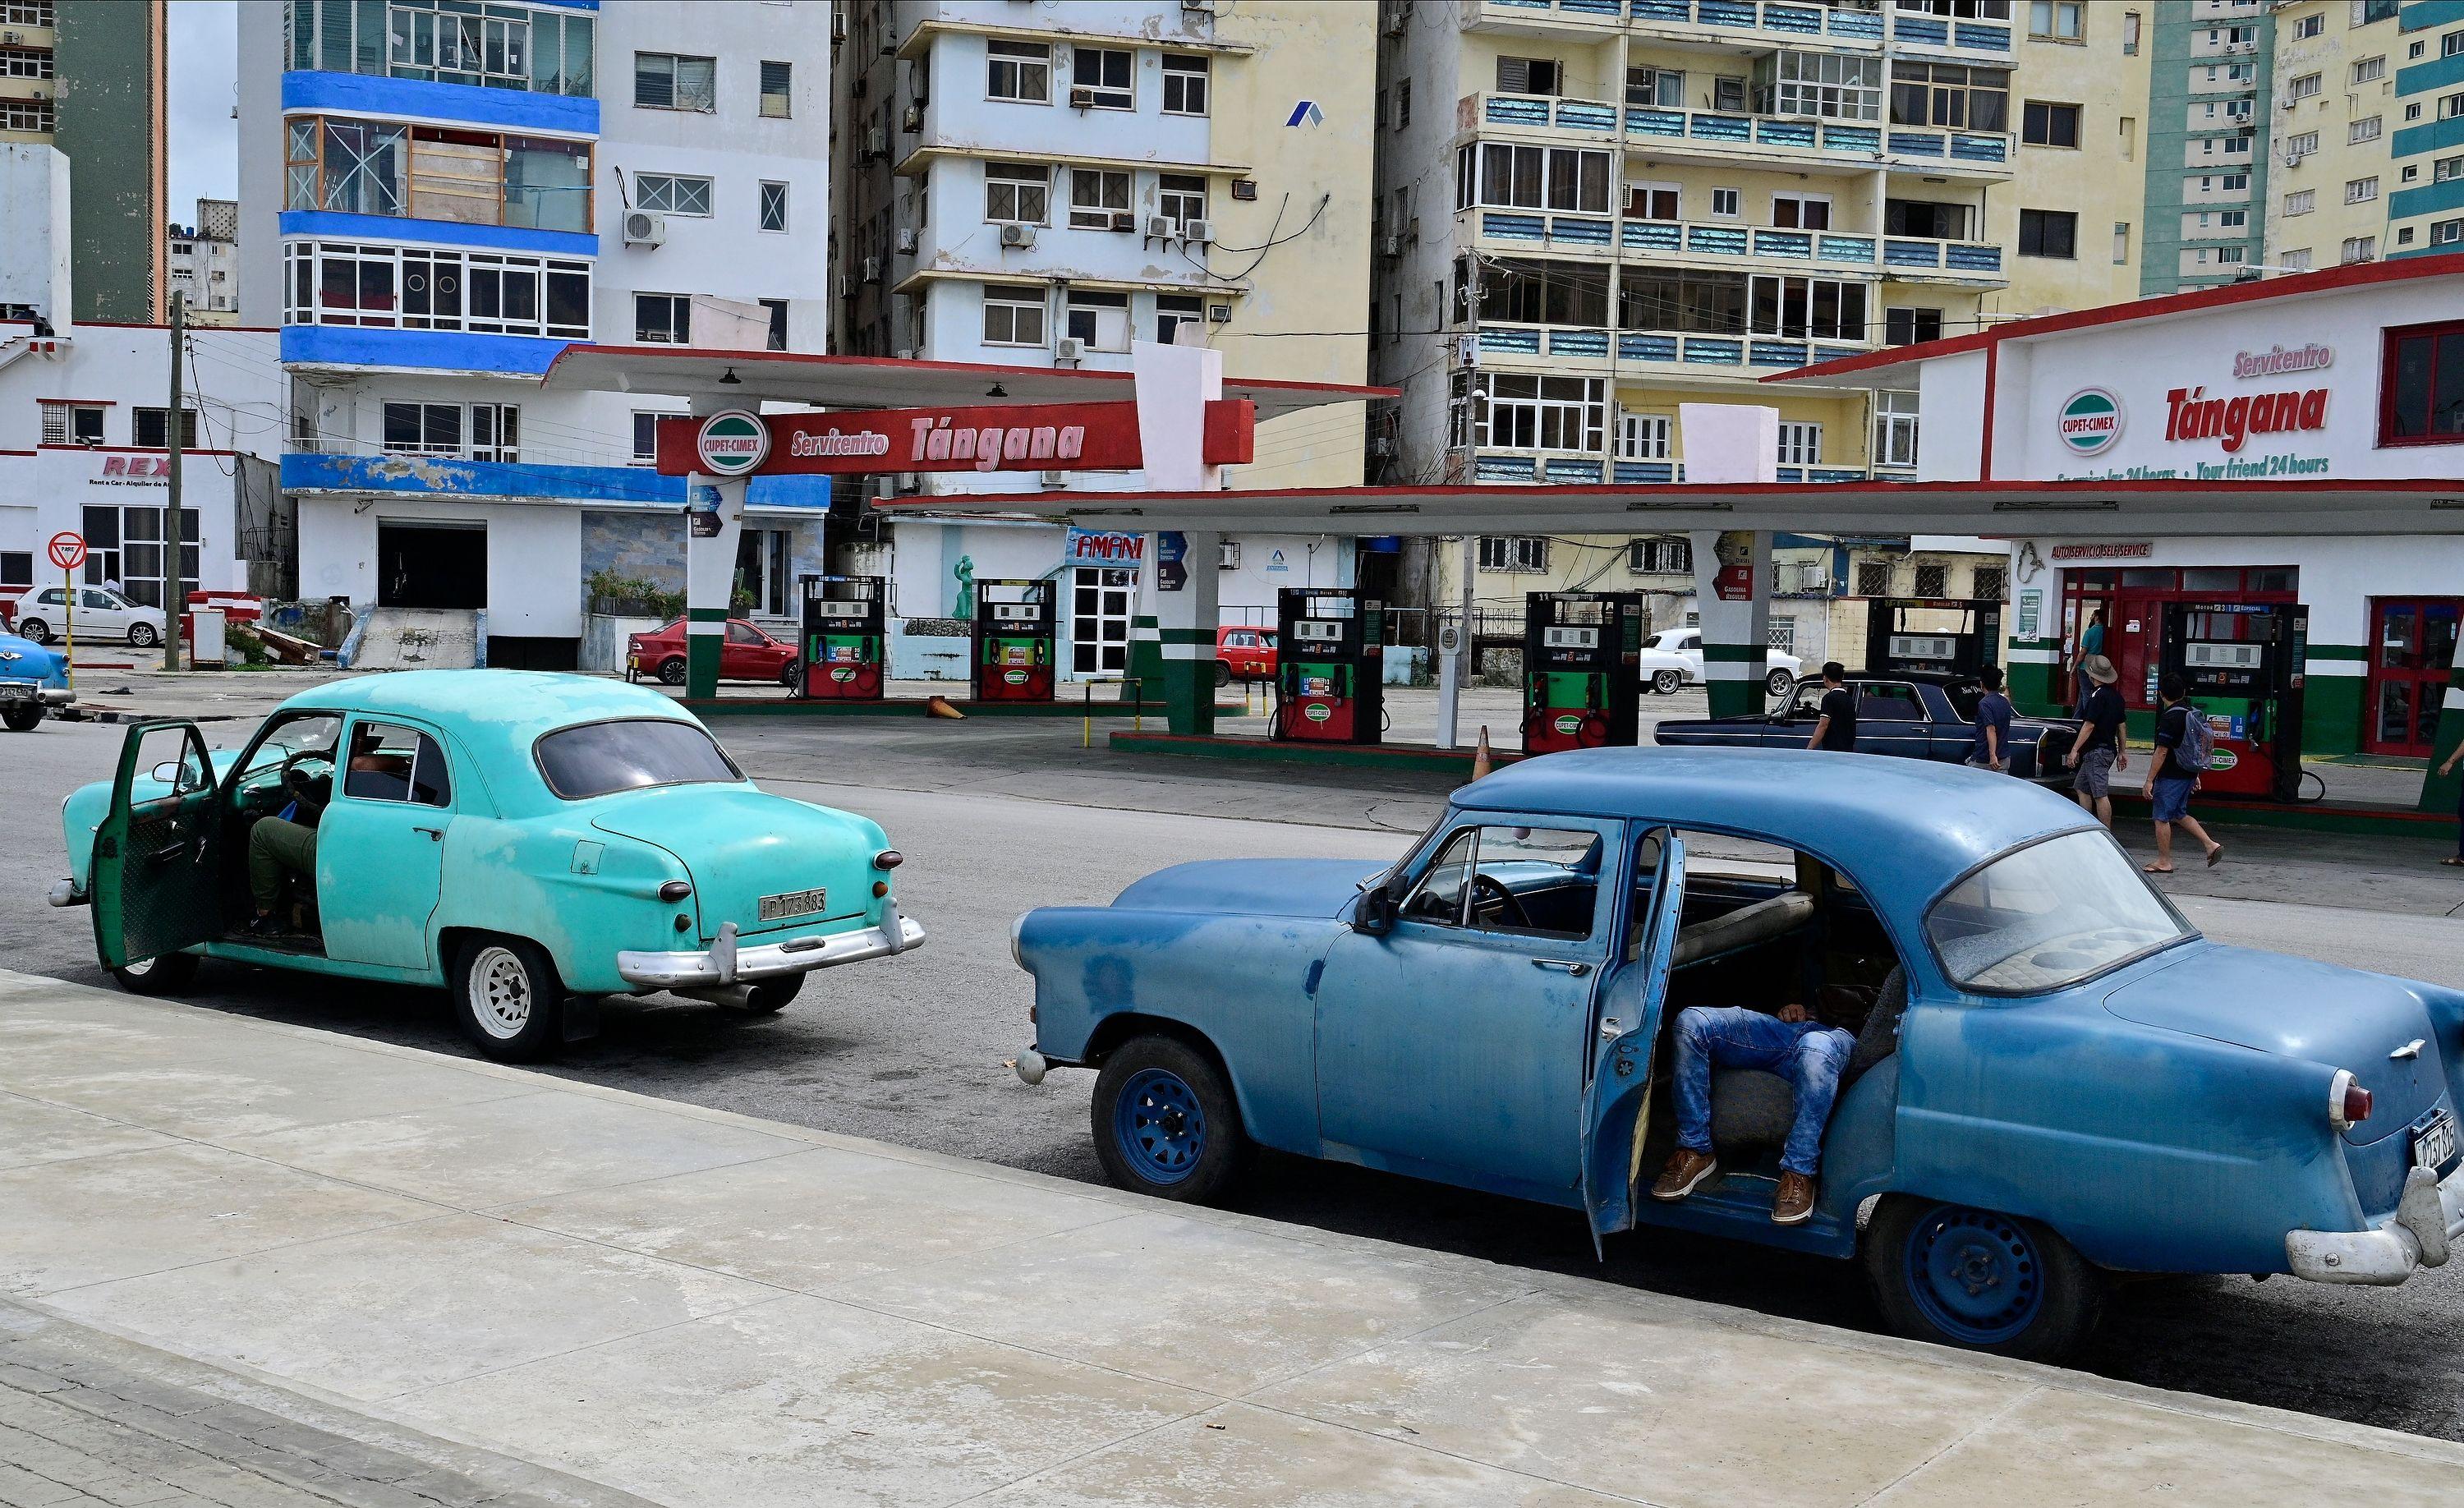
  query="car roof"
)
[
  {"x": 1920, "y": 677},
  {"x": 1913, "y": 824},
  {"x": 491, "y": 708}
]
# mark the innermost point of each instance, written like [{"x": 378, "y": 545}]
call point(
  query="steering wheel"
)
[
  {"x": 287, "y": 777},
  {"x": 1489, "y": 896}
]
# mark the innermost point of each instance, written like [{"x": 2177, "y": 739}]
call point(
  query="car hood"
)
[
  {"x": 1253, "y": 886},
  {"x": 740, "y": 845},
  {"x": 2298, "y": 1008}
]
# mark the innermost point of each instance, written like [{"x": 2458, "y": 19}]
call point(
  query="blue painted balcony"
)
[
  {"x": 1720, "y": 241},
  {"x": 1975, "y": 263},
  {"x": 1508, "y": 346},
  {"x": 1777, "y": 21},
  {"x": 1952, "y": 38}
]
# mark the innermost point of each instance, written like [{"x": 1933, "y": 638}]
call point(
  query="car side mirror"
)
[
  {"x": 1374, "y": 914},
  {"x": 167, "y": 773}
]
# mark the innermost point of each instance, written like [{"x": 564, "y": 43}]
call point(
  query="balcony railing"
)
[
  {"x": 1913, "y": 29},
  {"x": 1553, "y": 341},
  {"x": 1783, "y": 17},
  {"x": 1975, "y": 258},
  {"x": 1691, "y": 239},
  {"x": 1491, "y": 465},
  {"x": 1723, "y": 128}
]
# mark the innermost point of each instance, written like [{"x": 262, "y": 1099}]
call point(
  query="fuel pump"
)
[
  {"x": 1581, "y": 684},
  {"x": 1954, "y": 635},
  {"x": 1016, "y": 628},
  {"x": 1329, "y": 665},
  {"x": 846, "y": 638},
  {"x": 2244, "y": 666}
]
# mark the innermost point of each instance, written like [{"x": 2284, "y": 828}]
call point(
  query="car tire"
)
[
  {"x": 1980, "y": 1280},
  {"x": 1778, "y": 683},
  {"x": 34, "y": 628},
  {"x": 791, "y": 674},
  {"x": 1223, "y": 673},
  {"x": 169, "y": 973},
  {"x": 144, "y": 636},
  {"x": 772, "y": 996},
  {"x": 1668, "y": 683},
  {"x": 508, "y": 999},
  {"x": 20, "y": 718},
  {"x": 1166, "y": 1123},
  {"x": 673, "y": 670}
]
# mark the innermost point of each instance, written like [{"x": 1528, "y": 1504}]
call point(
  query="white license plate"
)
[
  {"x": 793, "y": 903},
  {"x": 9, "y": 693},
  {"x": 2433, "y": 1145}
]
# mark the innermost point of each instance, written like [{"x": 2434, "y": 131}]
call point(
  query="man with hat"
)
[{"x": 2096, "y": 752}]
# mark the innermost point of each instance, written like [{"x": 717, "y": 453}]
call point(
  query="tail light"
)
[
  {"x": 2348, "y": 1103},
  {"x": 889, "y": 858}
]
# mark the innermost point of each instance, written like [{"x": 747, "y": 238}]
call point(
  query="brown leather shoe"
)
[
  {"x": 1793, "y": 1205},
  {"x": 1685, "y": 1173}
]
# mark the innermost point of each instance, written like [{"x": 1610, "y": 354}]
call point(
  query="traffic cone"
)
[
  {"x": 1480, "y": 763},
  {"x": 939, "y": 707}
]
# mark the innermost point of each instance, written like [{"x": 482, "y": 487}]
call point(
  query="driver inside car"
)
[{"x": 285, "y": 844}]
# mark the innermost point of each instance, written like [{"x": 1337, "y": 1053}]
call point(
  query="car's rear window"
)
[
  {"x": 2051, "y": 914},
  {"x": 595, "y": 758}
]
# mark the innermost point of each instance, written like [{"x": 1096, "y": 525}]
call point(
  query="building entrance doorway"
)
[
  {"x": 432, "y": 565},
  {"x": 2413, "y": 643},
  {"x": 2133, "y": 602}
]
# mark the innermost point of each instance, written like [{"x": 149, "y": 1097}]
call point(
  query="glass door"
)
[{"x": 2412, "y": 649}]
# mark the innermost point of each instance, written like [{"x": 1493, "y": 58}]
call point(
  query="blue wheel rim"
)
[
  {"x": 1160, "y": 1125},
  {"x": 1976, "y": 1276}
]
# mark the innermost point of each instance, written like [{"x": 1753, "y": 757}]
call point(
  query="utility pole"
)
[{"x": 173, "y": 538}]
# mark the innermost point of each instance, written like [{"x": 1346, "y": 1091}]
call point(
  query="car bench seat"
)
[
  {"x": 1747, "y": 926},
  {"x": 1751, "y": 1108}
]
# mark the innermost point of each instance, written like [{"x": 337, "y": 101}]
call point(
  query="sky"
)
[{"x": 203, "y": 59}]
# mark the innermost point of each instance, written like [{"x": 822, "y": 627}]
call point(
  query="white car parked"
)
[
  {"x": 1674, "y": 658},
  {"x": 101, "y": 613}
]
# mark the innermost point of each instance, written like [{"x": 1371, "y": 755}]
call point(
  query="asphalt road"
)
[{"x": 996, "y": 819}]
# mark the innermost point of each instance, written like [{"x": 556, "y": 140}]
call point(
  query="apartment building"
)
[
  {"x": 86, "y": 78},
  {"x": 2425, "y": 205},
  {"x": 2081, "y": 110},
  {"x": 2211, "y": 106},
  {"x": 1041, "y": 186},
  {"x": 435, "y": 200},
  {"x": 205, "y": 263},
  {"x": 2334, "y": 112}
]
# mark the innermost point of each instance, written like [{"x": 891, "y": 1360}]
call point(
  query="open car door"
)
[
  {"x": 1619, "y": 1093},
  {"x": 156, "y": 856}
]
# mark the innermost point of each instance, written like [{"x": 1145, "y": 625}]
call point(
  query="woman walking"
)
[{"x": 2174, "y": 773}]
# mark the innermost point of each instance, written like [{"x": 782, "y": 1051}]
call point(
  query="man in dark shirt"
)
[
  {"x": 1993, "y": 712},
  {"x": 1836, "y": 727},
  {"x": 2097, "y": 753}
]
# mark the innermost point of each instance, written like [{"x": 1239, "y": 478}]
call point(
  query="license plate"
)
[
  {"x": 2433, "y": 1145},
  {"x": 793, "y": 903},
  {"x": 16, "y": 693}
]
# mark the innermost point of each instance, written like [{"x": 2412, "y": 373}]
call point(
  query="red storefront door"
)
[
  {"x": 2133, "y": 601},
  {"x": 2415, "y": 649}
]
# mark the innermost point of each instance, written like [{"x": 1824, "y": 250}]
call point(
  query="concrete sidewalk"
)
[{"x": 700, "y": 1308}]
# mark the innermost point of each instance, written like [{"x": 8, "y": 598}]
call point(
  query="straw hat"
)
[{"x": 2099, "y": 669}]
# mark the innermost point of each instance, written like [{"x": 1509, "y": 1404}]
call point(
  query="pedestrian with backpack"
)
[{"x": 2182, "y": 744}]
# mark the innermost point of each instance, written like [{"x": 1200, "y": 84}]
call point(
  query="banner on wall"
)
[
  {"x": 1003, "y": 437},
  {"x": 1113, "y": 548}
]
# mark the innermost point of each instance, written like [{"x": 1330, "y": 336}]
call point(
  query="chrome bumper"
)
[
  {"x": 65, "y": 892},
  {"x": 2428, "y": 1222},
  {"x": 47, "y": 695},
  {"x": 724, "y": 962}
]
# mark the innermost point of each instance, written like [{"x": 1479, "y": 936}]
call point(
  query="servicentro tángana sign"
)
[{"x": 1010, "y": 437}]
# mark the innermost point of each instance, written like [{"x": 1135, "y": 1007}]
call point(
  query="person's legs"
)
[
  {"x": 1708, "y": 1038},
  {"x": 2164, "y": 845},
  {"x": 276, "y": 848},
  {"x": 1813, "y": 1070}
]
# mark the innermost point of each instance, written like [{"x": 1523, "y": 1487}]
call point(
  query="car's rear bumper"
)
[
  {"x": 723, "y": 963},
  {"x": 2428, "y": 1222},
  {"x": 47, "y": 695}
]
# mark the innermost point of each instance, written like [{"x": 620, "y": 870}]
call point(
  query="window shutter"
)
[{"x": 1514, "y": 76}]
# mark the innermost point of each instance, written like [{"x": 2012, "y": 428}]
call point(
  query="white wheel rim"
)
[
  {"x": 138, "y": 968},
  {"x": 500, "y": 992}
]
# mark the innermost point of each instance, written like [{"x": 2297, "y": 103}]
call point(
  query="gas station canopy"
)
[{"x": 871, "y": 382}]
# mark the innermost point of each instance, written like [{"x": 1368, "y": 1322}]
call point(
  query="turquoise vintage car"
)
[{"x": 531, "y": 842}]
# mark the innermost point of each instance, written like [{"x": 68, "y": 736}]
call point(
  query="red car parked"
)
[
  {"x": 748, "y": 655},
  {"x": 1243, "y": 653}
]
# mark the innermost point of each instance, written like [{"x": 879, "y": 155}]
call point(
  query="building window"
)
[
  {"x": 1933, "y": 579},
  {"x": 646, "y": 437},
  {"x": 1019, "y": 71},
  {"x": 1099, "y": 199},
  {"x": 2121, "y": 243},
  {"x": 2044, "y": 124},
  {"x": 1837, "y": 86},
  {"x": 2305, "y": 87},
  {"x": 1181, "y": 197},
  {"x": 1529, "y": 412},
  {"x": 1823, "y": 308},
  {"x": 25, "y": 62},
  {"x": 544, "y": 50},
  {"x": 671, "y": 81},
  {"x": 2445, "y": 232},
  {"x": 1176, "y": 312},
  {"x": 2308, "y": 26},
  {"x": 2422, "y": 376},
  {"x": 1929, "y": 219},
  {"x": 662, "y": 319},
  {"x": 2364, "y": 129},
  {"x": 2361, "y": 191},
  {"x": 1660, "y": 557},
  {"x": 497, "y": 432},
  {"x": 777, "y": 308},
  {"x": 2130, "y": 34},
  {"x": 1895, "y": 428},
  {"x": 150, "y": 429},
  {"x": 1726, "y": 203},
  {"x": 26, "y": 114},
  {"x": 1873, "y": 578},
  {"x": 1522, "y": 553},
  {"x": 1402, "y": 104},
  {"x": 2447, "y": 168},
  {"x": 1800, "y": 444},
  {"x": 1531, "y": 75},
  {"x": 125, "y": 545},
  {"x": 1802, "y": 211},
  {"x": 1185, "y": 83},
  {"x": 2232, "y": 253},
  {"x": 1018, "y": 193},
  {"x": 1533, "y": 178},
  {"x": 776, "y": 79},
  {"x": 2057, "y": 20},
  {"x": 1100, "y": 602},
  {"x": 1542, "y": 293},
  {"x": 1013, "y": 315},
  {"x": 1990, "y": 583},
  {"x": 1644, "y": 437},
  {"x": 1911, "y": 327},
  {"x": 422, "y": 428},
  {"x": 16, "y": 567},
  {"x": 428, "y": 173},
  {"x": 72, "y": 423},
  {"x": 1653, "y": 202},
  {"x": 669, "y": 194},
  {"x": 1098, "y": 321},
  {"x": 2295, "y": 261},
  {"x": 1099, "y": 78},
  {"x": 1950, "y": 95},
  {"x": 2048, "y": 232},
  {"x": 2369, "y": 70},
  {"x": 773, "y": 207},
  {"x": 2357, "y": 248}
]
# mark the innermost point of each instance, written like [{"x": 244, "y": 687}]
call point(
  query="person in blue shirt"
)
[{"x": 1993, "y": 714}]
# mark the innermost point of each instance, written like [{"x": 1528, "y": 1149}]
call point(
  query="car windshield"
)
[
  {"x": 313, "y": 734},
  {"x": 596, "y": 758},
  {"x": 2051, "y": 914}
]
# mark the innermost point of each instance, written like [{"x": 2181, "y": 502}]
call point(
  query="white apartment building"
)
[
  {"x": 204, "y": 259},
  {"x": 436, "y": 200},
  {"x": 1040, "y": 186}
]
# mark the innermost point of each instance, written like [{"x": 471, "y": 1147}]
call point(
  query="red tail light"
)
[{"x": 2348, "y": 1103}]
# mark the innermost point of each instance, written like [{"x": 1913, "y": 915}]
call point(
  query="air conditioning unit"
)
[
  {"x": 1227, "y": 556},
  {"x": 905, "y": 241},
  {"x": 876, "y": 142},
  {"x": 871, "y": 269},
  {"x": 2291, "y": 159},
  {"x": 1123, "y": 220},
  {"x": 1390, "y": 245},
  {"x": 1082, "y": 99},
  {"x": 1052, "y": 479},
  {"x": 913, "y": 120},
  {"x": 1398, "y": 21},
  {"x": 1219, "y": 314},
  {"x": 12, "y": 39},
  {"x": 907, "y": 483},
  {"x": 1160, "y": 228},
  {"x": 1018, "y": 236},
  {"x": 1069, "y": 349},
  {"x": 1199, "y": 7},
  {"x": 642, "y": 228},
  {"x": 1199, "y": 231}
]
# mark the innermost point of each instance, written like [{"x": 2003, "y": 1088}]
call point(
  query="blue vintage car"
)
[
  {"x": 531, "y": 842},
  {"x": 1913, "y": 714},
  {"x": 2055, "y": 1078},
  {"x": 31, "y": 678}
]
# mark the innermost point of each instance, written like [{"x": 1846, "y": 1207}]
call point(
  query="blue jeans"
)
[{"x": 1809, "y": 1055}]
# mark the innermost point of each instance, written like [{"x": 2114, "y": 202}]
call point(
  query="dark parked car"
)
[{"x": 1916, "y": 715}]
